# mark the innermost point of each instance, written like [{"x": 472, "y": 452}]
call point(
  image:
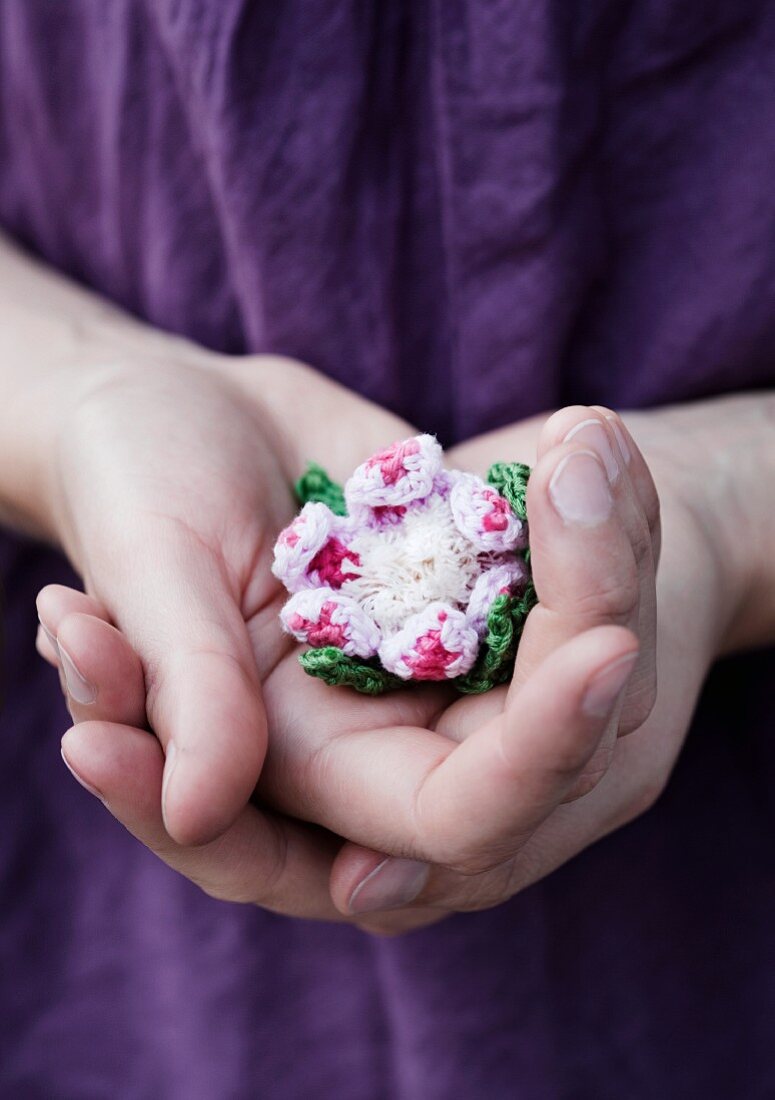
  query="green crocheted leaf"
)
[
  {"x": 337, "y": 669},
  {"x": 495, "y": 662},
  {"x": 315, "y": 484},
  {"x": 497, "y": 653}
]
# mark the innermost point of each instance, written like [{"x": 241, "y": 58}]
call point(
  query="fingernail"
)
[
  {"x": 170, "y": 760},
  {"x": 604, "y": 690},
  {"x": 392, "y": 884},
  {"x": 77, "y": 777},
  {"x": 595, "y": 436},
  {"x": 579, "y": 489},
  {"x": 621, "y": 439},
  {"x": 51, "y": 637},
  {"x": 78, "y": 686}
]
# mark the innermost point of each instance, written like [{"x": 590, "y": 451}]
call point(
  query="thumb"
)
[{"x": 180, "y": 614}]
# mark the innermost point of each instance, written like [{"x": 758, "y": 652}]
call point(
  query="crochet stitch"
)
[{"x": 411, "y": 572}]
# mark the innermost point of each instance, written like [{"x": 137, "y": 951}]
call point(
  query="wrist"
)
[
  {"x": 714, "y": 466},
  {"x": 749, "y": 477},
  {"x": 57, "y": 341},
  {"x": 34, "y": 418}
]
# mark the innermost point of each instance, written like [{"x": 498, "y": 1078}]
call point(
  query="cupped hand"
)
[
  {"x": 465, "y": 793},
  {"x": 172, "y": 477}
]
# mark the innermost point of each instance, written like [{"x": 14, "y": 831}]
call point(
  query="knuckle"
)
[
  {"x": 638, "y": 708},
  {"x": 615, "y": 595},
  {"x": 493, "y": 884},
  {"x": 490, "y": 861},
  {"x": 486, "y": 890},
  {"x": 586, "y": 782},
  {"x": 568, "y": 760},
  {"x": 653, "y": 510},
  {"x": 471, "y": 864},
  {"x": 642, "y": 548}
]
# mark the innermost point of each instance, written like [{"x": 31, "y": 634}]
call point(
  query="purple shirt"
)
[{"x": 469, "y": 211}]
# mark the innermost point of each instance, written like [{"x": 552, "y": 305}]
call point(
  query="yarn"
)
[
  {"x": 337, "y": 669},
  {"x": 496, "y": 659},
  {"x": 315, "y": 486},
  {"x": 510, "y": 479},
  {"x": 438, "y": 643},
  {"x": 325, "y": 617},
  {"x": 409, "y": 573}
]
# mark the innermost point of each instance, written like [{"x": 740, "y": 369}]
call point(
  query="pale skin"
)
[{"x": 163, "y": 471}]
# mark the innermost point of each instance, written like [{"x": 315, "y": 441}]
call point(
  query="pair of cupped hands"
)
[{"x": 195, "y": 725}]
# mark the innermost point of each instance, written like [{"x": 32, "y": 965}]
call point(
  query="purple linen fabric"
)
[{"x": 471, "y": 211}]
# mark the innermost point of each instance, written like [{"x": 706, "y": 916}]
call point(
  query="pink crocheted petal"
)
[
  {"x": 435, "y": 644},
  {"x": 484, "y": 516},
  {"x": 507, "y": 578},
  {"x": 298, "y": 544},
  {"x": 336, "y": 561},
  {"x": 321, "y": 617},
  {"x": 400, "y": 474}
]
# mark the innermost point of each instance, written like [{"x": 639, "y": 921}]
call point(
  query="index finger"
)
[{"x": 260, "y": 859}]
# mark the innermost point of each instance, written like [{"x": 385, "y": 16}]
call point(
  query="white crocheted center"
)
[{"x": 406, "y": 566}]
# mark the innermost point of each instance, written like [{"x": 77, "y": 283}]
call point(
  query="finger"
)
[
  {"x": 194, "y": 809},
  {"x": 521, "y": 763},
  {"x": 103, "y": 676},
  {"x": 558, "y": 426},
  {"x": 382, "y": 893},
  {"x": 360, "y": 883},
  {"x": 263, "y": 860},
  {"x": 642, "y": 520},
  {"x": 179, "y": 611},
  {"x": 57, "y": 600},
  {"x": 589, "y": 428},
  {"x": 414, "y": 793},
  {"x": 638, "y": 507},
  {"x": 54, "y": 602},
  {"x": 585, "y": 568},
  {"x": 46, "y": 646},
  {"x": 638, "y": 473},
  {"x": 495, "y": 788},
  {"x": 637, "y": 486},
  {"x": 632, "y": 784}
]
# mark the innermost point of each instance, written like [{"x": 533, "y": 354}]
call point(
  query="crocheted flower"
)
[{"x": 413, "y": 572}]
